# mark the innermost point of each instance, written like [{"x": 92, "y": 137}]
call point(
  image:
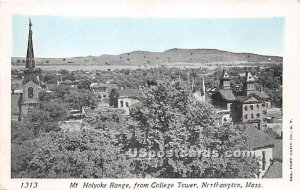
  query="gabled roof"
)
[
  {"x": 225, "y": 75},
  {"x": 255, "y": 94},
  {"x": 249, "y": 77},
  {"x": 259, "y": 139},
  {"x": 260, "y": 94},
  {"x": 227, "y": 95},
  {"x": 131, "y": 93}
]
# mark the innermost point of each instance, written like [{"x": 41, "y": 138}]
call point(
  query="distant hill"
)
[{"x": 169, "y": 56}]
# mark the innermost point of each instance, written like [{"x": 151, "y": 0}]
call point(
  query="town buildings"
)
[
  {"x": 125, "y": 99},
  {"x": 247, "y": 105},
  {"x": 102, "y": 90}
]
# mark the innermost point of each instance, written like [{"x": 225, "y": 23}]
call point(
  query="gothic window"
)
[{"x": 30, "y": 92}]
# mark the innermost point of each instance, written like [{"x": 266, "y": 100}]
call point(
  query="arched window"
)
[
  {"x": 122, "y": 103},
  {"x": 30, "y": 92}
]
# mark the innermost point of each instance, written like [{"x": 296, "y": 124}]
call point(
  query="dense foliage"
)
[{"x": 169, "y": 119}]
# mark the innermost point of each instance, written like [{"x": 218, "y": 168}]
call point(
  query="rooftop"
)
[
  {"x": 129, "y": 93},
  {"x": 259, "y": 139},
  {"x": 227, "y": 95},
  {"x": 274, "y": 171},
  {"x": 256, "y": 94}
]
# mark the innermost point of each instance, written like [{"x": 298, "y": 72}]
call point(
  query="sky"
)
[{"x": 58, "y": 36}]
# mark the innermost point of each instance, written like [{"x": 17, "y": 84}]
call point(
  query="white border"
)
[{"x": 290, "y": 9}]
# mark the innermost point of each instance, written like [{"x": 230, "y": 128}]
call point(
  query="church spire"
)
[{"x": 30, "y": 55}]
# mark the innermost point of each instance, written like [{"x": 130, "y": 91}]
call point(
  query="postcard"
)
[{"x": 150, "y": 94}]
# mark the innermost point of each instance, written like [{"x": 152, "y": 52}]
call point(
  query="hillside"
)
[{"x": 152, "y": 58}]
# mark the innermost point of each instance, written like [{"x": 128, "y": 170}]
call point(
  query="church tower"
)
[
  {"x": 248, "y": 85},
  {"x": 30, "y": 79},
  {"x": 225, "y": 81}
]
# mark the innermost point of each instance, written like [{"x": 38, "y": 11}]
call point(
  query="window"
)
[
  {"x": 263, "y": 105},
  {"x": 122, "y": 103},
  {"x": 127, "y": 105},
  {"x": 30, "y": 92},
  {"x": 263, "y": 160},
  {"x": 257, "y": 106},
  {"x": 252, "y": 116},
  {"x": 251, "y": 107},
  {"x": 257, "y": 115},
  {"x": 264, "y": 112},
  {"x": 245, "y": 116},
  {"x": 246, "y": 108}
]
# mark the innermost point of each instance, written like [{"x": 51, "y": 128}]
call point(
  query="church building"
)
[{"x": 30, "y": 81}]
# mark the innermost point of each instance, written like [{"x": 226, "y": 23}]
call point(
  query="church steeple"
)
[
  {"x": 30, "y": 73},
  {"x": 30, "y": 65}
]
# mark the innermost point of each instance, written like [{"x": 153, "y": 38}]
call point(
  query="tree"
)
[
  {"x": 171, "y": 120},
  {"x": 83, "y": 154},
  {"x": 84, "y": 84},
  {"x": 56, "y": 109},
  {"x": 80, "y": 99}
]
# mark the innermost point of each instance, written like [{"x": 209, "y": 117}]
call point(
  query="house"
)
[
  {"x": 223, "y": 98},
  {"x": 267, "y": 150},
  {"x": 125, "y": 99},
  {"x": 102, "y": 90},
  {"x": 245, "y": 106}
]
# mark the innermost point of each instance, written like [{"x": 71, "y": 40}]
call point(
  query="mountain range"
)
[{"x": 152, "y": 58}]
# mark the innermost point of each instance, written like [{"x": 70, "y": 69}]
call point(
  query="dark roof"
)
[
  {"x": 227, "y": 95},
  {"x": 133, "y": 93},
  {"x": 256, "y": 94},
  {"x": 258, "y": 139},
  {"x": 260, "y": 94},
  {"x": 241, "y": 98},
  {"x": 274, "y": 171}
]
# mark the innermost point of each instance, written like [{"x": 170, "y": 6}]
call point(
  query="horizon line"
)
[{"x": 78, "y": 56}]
